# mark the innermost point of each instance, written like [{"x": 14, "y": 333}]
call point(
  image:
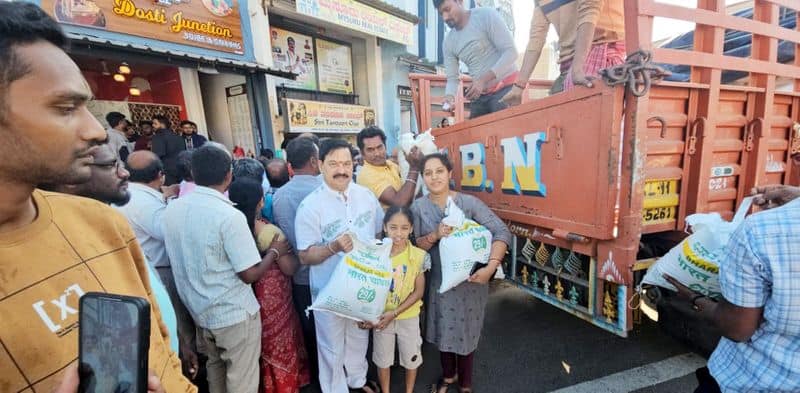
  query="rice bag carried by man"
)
[
  {"x": 424, "y": 142},
  {"x": 468, "y": 243},
  {"x": 695, "y": 261},
  {"x": 359, "y": 285}
]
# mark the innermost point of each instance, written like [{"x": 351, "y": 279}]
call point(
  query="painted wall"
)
[
  {"x": 244, "y": 12},
  {"x": 394, "y": 73},
  {"x": 193, "y": 98},
  {"x": 215, "y": 104}
]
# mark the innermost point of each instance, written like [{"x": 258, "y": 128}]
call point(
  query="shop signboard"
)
[
  {"x": 335, "y": 67},
  {"x": 327, "y": 117},
  {"x": 211, "y": 24},
  {"x": 360, "y": 17},
  {"x": 293, "y": 52},
  {"x": 404, "y": 93}
]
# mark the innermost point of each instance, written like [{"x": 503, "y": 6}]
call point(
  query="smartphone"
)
[{"x": 114, "y": 341}]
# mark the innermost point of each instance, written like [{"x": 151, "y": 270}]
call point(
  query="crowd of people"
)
[{"x": 231, "y": 252}]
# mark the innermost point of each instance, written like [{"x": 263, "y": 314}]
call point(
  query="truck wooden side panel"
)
[
  {"x": 580, "y": 176},
  {"x": 538, "y": 165}
]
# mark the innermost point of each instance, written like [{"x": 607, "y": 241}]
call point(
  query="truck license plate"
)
[
  {"x": 659, "y": 214},
  {"x": 660, "y": 187},
  {"x": 661, "y": 198}
]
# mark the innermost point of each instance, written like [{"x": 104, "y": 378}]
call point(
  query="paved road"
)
[{"x": 529, "y": 346}]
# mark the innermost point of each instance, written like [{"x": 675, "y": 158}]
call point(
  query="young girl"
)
[{"x": 400, "y": 320}]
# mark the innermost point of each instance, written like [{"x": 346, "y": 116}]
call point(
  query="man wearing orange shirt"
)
[{"x": 56, "y": 247}]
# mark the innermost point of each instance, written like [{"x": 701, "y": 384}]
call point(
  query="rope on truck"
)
[{"x": 638, "y": 72}]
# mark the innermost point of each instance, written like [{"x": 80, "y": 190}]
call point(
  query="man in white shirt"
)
[
  {"x": 336, "y": 207},
  {"x": 145, "y": 212},
  {"x": 214, "y": 259}
]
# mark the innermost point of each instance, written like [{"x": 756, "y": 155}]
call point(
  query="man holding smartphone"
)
[{"x": 54, "y": 247}]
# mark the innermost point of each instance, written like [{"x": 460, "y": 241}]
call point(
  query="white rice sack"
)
[
  {"x": 696, "y": 260},
  {"x": 360, "y": 283},
  {"x": 424, "y": 142},
  {"x": 467, "y": 244}
]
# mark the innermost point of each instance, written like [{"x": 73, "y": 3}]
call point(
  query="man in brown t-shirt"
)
[{"x": 55, "y": 247}]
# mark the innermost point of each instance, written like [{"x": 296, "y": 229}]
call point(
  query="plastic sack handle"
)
[{"x": 742, "y": 211}]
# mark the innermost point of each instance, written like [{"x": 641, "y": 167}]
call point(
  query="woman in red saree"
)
[{"x": 284, "y": 361}]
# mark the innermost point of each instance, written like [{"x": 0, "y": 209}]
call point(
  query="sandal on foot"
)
[{"x": 443, "y": 384}]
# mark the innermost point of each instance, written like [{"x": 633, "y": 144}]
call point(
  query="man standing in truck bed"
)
[
  {"x": 481, "y": 40},
  {"x": 591, "y": 37}
]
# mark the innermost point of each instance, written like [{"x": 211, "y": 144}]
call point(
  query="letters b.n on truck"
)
[{"x": 595, "y": 182}]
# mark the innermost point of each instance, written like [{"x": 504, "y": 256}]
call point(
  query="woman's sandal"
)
[
  {"x": 443, "y": 384},
  {"x": 369, "y": 387}
]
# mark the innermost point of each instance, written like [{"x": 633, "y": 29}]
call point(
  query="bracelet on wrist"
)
[
  {"x": 330, "y": 249},
  {"x": 521, "y": 86}
]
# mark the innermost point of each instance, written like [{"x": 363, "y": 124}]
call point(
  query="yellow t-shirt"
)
[
  {"x": 379, "y": 178},
  {"x": 405, "y": 267},
  {"x": 74, "y": 246}
]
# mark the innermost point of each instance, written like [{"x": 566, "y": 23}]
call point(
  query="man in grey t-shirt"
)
[{"x": 481, "y": 40}]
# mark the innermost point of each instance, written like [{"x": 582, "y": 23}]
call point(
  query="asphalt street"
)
[{"x": 529, "y": 346}]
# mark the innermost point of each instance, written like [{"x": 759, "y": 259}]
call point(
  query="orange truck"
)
[{"x": 596, "y": 183}]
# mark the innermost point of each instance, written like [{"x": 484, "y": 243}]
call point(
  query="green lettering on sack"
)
[
  {"x": 366, "y": 295},
  {"x": 479, "y": 244}
]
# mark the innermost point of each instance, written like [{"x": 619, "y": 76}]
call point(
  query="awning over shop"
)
[{"x": 180, "y": 57}]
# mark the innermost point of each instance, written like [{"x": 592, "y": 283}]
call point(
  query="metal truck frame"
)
[{"x": 583, "y": 178}]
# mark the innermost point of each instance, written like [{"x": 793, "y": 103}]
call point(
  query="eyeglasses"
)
[{"x": 116, "y": 164}]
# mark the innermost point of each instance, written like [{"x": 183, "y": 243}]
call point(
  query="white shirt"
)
[
  {"x": 325, "y": 214},
  {"x": 208, "y": 243},
  {"x": 144, "y": 212}
]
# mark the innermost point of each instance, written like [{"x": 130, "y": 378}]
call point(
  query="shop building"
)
[
  {"x": 336, "y": 50},
  {"x": 185, "y": 59}
]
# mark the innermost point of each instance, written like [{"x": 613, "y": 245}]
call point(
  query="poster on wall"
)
[
  {"x": 241, "y": 125},
  {"x": 293, "y": 52},
  {"x": 328, "y": 117},
  {"x": 211, "y": 24},
  {"x": 335, "y": 67}
]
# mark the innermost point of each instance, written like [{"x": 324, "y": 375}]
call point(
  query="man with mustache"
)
[
  {"x": 55, "y": 247},
  {"x": 109, "y": 184},
  {"x": 481, "y": 40},
  {"x": 334, "y": 208}
]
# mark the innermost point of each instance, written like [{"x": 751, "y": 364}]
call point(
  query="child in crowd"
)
[{"x": 400, "y": 320}]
